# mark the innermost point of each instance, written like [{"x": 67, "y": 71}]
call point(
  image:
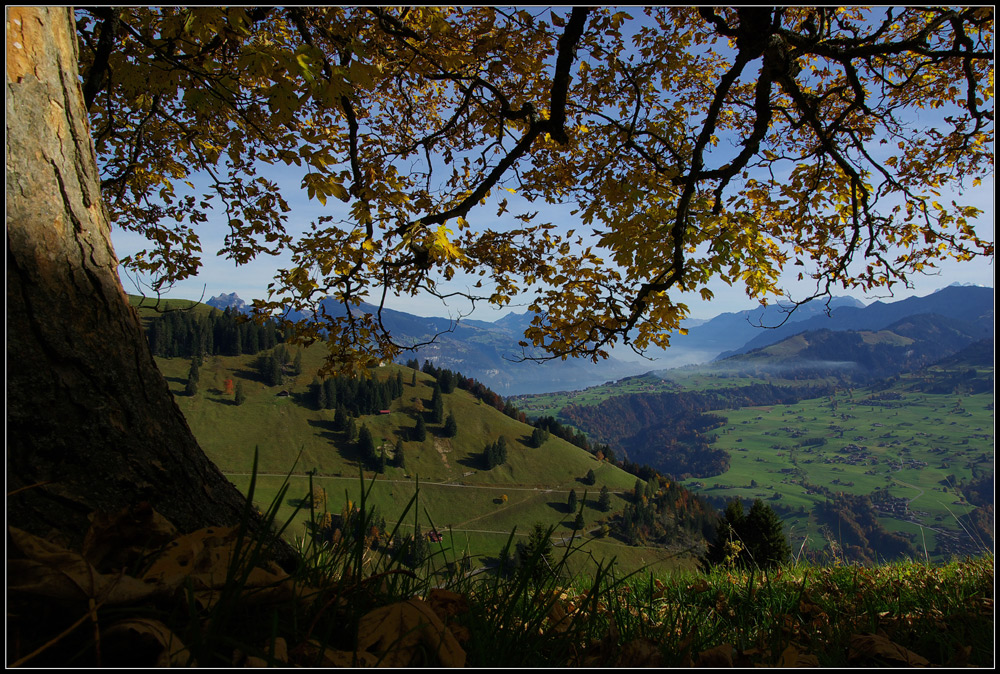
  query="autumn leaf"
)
[
  {"x": 398, "y": 630},
  {"x": 312, "y": 653},
  {"x": 874, "y": 647},
  {"x": 792, "y": 657},
  {"x": 641, "y": 652},
  {"x": 144, "y": 642},
  {"x": 118, "y": 539},
  {"x": 206, "y": 556},
  {"x": 719, "y": 656},
  {"x": 447, "y": 604},
  {"x": 52, "y": 571}
]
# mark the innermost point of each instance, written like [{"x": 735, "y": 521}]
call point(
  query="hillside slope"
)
[{"x": 479, "y": 507}]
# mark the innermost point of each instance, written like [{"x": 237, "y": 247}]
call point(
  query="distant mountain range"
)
[
  {"x": 489, "y": 351},
  {"x": 911, "y": 343},
  {"x": 971, "y": 304},
  {"x": 230, "y": 301},
  {"x": 729, "y": 331}
]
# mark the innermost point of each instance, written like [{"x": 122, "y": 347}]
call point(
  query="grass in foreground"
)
[{"x": 212, "y": 598}]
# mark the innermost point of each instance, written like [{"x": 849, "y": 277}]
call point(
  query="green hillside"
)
[{"x": 473, "y": 507}]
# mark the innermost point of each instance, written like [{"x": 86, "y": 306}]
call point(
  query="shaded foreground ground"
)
[{"x": 139, "y": 594}]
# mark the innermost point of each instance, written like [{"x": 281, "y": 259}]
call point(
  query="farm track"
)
[{"x": 496, "y": 487}]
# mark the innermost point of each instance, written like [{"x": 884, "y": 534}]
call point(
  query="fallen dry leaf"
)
[
  {"x": 279, "y": 651},
  {"x": 143, "y": 642},
  {"x": 866, "y": 646},
  {"x": 398, "y": 630},
  {"x": 447, "y": 604},
  {"x": 205, "y": 556},
  {"x": 792, "y": 657},
  {"x": 719, "y": 656},
  {"x": 55, "y": 572},
  {"x": 118, "y": 540},
  {"x": 560, "y": 619},
  {"x": 313, "y": 654},
  {"x": 700, "y": 586},
  {"x": 641, "y": 652}
]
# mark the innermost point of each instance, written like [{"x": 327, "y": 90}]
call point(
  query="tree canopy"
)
[
  {"x": 752, "y": 540},
  {"x": 693, "y": 144}
]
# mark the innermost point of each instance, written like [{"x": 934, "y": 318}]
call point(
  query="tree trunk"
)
[{"x": 88, "y": 413}]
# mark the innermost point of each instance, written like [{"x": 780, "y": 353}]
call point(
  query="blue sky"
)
[{"x": 219, "y": 275}]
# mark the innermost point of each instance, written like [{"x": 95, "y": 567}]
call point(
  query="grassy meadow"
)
[
  {"x": 916, "y": 450},
  {"x": 475, "y": 509}
]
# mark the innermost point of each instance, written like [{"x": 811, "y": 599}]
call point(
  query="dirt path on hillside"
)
[{"x": 439, "y": 445}]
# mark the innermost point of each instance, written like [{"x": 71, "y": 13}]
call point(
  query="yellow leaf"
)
[
  {"x": 339, "y": 191},
  {"x": 205, "y": 556}
]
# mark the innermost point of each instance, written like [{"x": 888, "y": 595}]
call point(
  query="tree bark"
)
[{"x": 88, "y": 413}]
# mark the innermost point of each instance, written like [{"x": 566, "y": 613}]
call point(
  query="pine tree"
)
[
  {"x": 578, "y": 523},
  {"x": 274, "y": 373},
  {"x": 765, "y": 537},
  {"x": 604, "y": 500},
  {"x": 351, "y": 430},
  {"x": 415, "y": 549},
  {"x": 297, "y": 363},
  {"x": 572, "y": 500},
  {"x": 536, "y": 552},
  {"x": 398, "y": 457},
  {"x": 319, "y": 394},
  {"x": 420, "y": 431},
  {"x": 502, "y": 449},
  {"x": 590, "y": 478},
  {"x": 330, "y": 391},
  {"x": 191, "y": 387},
  {"x": 270, "y": 369},
  {"x": 366, "y": 445},
  {"x": 340, "y": 419},
  {"x": 240, "y": 395},
  {"x": 450, "y": 427},
  {"x": 753, "y": 540},
  {"x": 437, "y": 405},
  {"x": 447, "y": 381},
  {"x": 193, "y": 371}
]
